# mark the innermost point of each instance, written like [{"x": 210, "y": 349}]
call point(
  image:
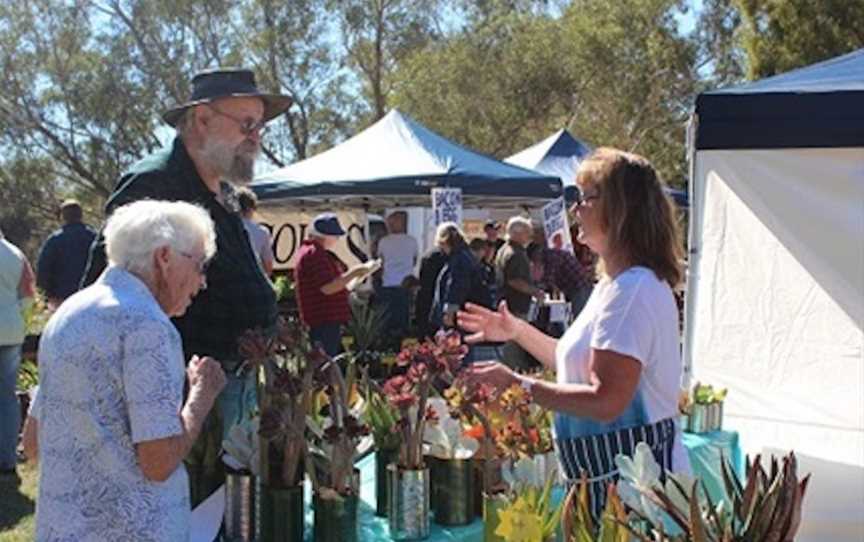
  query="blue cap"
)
[{"x": 327, "y": 224}]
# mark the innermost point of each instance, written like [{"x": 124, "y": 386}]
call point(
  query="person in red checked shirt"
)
[{"x": 322, "y": 281}]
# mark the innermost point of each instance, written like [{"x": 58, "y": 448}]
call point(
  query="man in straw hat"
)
[{"x": 218, "y": 139}]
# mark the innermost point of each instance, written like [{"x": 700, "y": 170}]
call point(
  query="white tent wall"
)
[{"x": 775, "y": 313}]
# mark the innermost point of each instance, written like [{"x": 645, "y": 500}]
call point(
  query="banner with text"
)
[
  {"x": 447, "y": 205},
  {"x": 288, "y": 229},
  {"x": 555, "y": 225}
]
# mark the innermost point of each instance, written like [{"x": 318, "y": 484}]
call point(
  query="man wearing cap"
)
[
  {"x": 218, "y": 139},
  {"x": 63, "y": 256},
  {"x": 322, "y": 280}
]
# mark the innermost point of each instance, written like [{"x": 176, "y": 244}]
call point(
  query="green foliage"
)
[
  {"x": 381, "y": 418},
  {"x": 779, "y": 36},
  {"x": 366, "y": 326},
  {"x": 284, "y": 288},
  {"x": 577, "y": 524},
  {"x": 616, "y": 74},
  {"x": 28, "y": 376}
]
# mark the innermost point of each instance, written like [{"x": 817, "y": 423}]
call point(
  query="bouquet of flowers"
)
[{"x": 430, "y": 365}]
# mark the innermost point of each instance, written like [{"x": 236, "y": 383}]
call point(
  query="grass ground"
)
[{"x": 18, "y": 505}]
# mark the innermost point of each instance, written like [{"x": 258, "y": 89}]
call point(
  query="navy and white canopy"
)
[
  {"x": 818, "y": 106},
  {"x": 396, "y": 162}
]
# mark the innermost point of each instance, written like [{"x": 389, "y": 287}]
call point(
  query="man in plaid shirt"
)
[
  {"x": 565, "y": 273},
  {"x": 218, "y": 139}
]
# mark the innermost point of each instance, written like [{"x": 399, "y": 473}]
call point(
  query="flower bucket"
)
[
  {"x": 239, "y": 506},
  {"x": 453, "y": 491},
  {"x": 408, "y": 510},
  {"x": 279, "y": 514},
  {"x": 705, "y": 418},
  {"x": 492, "y": 504},
  {"x": 335, "y": 518},
  {"x": 383, "y": 458},
  {"x": 203, "y": 481}
]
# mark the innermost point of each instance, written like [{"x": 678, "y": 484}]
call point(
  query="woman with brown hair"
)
[
  {"x": 459, "y": 281},
  {"x": 618, "y": 366}
]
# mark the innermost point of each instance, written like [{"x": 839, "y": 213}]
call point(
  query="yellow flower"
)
[{"x": 519, "y": 523}]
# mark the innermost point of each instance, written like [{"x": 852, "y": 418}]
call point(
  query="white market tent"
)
[{"x": 775, "y": 306}]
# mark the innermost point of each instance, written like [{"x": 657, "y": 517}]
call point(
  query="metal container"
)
[
  {"x": 335, "y": 519},
  {"x": 453, "y": 491},
  {"x": 492, "y": 504},
  {"x": 698, "y": 418},
  {"x": 408, "y": 510},
  {"x": 239, "y": 506},
  {"x": 279, "y": 514},
  {"x": 383, "y": 458}
]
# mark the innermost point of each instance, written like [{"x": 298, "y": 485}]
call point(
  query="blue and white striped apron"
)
[{"x": 595, "y": 455}]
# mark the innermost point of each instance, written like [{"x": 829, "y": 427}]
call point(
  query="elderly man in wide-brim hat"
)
[{"x": 218, "y": 139}]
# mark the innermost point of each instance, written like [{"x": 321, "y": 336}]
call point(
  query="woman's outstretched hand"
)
[
  {"x": 490, "y": 373},
  {"x": 488, "y": 325}
]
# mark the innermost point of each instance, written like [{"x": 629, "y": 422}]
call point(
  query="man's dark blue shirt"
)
[{"x": 63, "y": 259}]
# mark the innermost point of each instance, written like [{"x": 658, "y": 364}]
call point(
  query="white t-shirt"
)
[
  {"x": 399, "y": 252},
  {"x": 633, "y": 314},
  {"x": 259, "y": 238}
]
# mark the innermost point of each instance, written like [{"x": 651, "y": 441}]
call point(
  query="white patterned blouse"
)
[{"x": 111, "y": 375}]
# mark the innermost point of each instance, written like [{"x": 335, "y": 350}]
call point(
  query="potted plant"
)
[
  {"x": 288, "y": 366},
  {"x": 513, "y": 432},
  {"x": 335, "y": 486},
  {"x": 703, "y": 408},
  {"x": 429, "y": 364},
  {"x": 767, "y": 507},
  {"x": 381, "y": 417},
  {"x": 366, "y": 327}
]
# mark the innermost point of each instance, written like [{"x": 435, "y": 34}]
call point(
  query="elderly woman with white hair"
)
[{"x": 113, "y": 428}]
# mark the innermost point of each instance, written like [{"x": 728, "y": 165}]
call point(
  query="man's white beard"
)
[{"x": 234, "y": 164}]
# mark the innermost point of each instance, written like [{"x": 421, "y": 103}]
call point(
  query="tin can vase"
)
[
  {"x": 453, "y": 491},
  {"x": 279, "y": 514},
  {"x": 335, "y": 518},
  {"x": 383, "y": 458},
  {"x": 492, "y": 504},
  {"x": 408, "y": 511},
  {"x": 699, "y": 418},
  {"x": 239, "y": 506}
]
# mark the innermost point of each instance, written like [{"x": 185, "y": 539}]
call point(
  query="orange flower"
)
[{"x": 475, "y": 432}]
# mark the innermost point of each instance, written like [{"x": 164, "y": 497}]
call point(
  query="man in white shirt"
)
[{"x": 399, "y": 252}]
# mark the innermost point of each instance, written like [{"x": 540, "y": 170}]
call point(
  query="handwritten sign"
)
[
  {"x": 447, "y": 205},
  {"x": 555, "y": 225},
  {"x": 289, "y": 228}
]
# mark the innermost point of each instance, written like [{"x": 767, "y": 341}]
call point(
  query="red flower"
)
[
  {"x": 431, "y": 415},
  {"x": 400, "y": 392},
  {"x": 416, "y": 373},
  {"x": 254, "y": 347}
]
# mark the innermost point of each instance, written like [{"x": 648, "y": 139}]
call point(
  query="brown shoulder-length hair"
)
[
  {"x": 635, "y": 211},
  {"x": 450, "y": 234}
]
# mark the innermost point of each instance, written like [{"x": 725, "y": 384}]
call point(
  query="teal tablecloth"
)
[
  {"x": 707, "y": 451},
  {"x": 371, "y": 527}
]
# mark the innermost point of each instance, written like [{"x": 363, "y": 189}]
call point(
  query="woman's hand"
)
[
  {"x": 206, "y": 378},
  {"x": 491, "y": 373},
  {"x": 488, "y": 325}
]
